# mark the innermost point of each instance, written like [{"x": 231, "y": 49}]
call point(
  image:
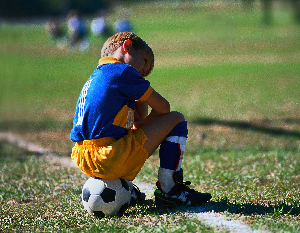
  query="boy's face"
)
[{"x": 138, "y": 59}]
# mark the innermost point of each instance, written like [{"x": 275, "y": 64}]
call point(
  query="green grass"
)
[{"x": 237, "y": 83}]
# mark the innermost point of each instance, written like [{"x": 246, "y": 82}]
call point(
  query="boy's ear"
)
[{"x": 126, "y": 46}]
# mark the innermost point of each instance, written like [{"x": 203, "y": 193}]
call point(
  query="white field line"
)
[
  {"x": 214, "y": 220},
  {"x": 220, "y": 222},
  {"x": 33, "y": 148},
  {"x": 21, "y": 143}
]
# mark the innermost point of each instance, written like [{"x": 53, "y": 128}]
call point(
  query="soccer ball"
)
[{"x": 102, "y": 197}]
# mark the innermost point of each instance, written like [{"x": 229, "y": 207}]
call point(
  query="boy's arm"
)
[
  {"x": 159, "y": 107},
  {"x": 140, "y": 113},
  {"x": 141, "y": 110}
]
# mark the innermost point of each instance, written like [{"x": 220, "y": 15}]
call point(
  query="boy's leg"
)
[
  {"x": 171, "y": 154},
  {"x": 170, "y": 132},
  {"x": 159, "y": 128},
  {"x": 156, "y": 131},
  {"x": 171, "y": 190}
]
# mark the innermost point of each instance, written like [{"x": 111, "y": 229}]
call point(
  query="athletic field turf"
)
[{"x": 236, "y": 81}]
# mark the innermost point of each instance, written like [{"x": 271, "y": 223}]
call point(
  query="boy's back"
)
[{"x": 107, "y": 98}]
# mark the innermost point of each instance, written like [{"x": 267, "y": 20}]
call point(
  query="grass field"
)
[{"x": 236, "y": 81}]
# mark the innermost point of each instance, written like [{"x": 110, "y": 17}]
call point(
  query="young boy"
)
[{"x": 113, "y": 131}]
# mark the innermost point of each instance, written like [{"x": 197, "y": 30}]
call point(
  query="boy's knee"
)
[{"x": 178, "y": 116}]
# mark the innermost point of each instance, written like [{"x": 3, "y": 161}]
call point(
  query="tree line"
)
[
  {"x": 37, "y": 8},
  {"x": 267, "y": 6}
]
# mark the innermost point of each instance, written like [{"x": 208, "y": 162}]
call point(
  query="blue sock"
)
[{"x": 172, "y": 148}]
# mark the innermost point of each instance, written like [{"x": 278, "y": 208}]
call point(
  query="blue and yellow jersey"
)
[{"x": 106, "y": 104}]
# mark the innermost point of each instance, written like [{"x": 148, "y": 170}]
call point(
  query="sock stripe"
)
[
  {"x": 176, "y": 139},
  {"x": 180, "y": 157}
]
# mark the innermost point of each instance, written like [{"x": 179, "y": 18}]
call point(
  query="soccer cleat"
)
[
  {"x": 180, "y": 194},
  {"x": 137, "y": 196}
]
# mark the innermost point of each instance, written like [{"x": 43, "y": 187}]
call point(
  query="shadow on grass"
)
[
  {"x": 261, "y": 127},
  {"x": 225, "y": 206},
  {"x": 250, "y": 209},
  {"x": 252, "y": 126}
]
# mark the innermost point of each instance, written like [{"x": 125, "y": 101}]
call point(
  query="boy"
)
[{"x": 113, "y": 131}]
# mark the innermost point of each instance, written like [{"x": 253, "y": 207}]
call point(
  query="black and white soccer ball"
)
[{"x": 102, "y": 197}]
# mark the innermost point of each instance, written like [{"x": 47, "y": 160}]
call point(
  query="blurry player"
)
[
  {"x": 56, "y": 32},
  {"x": 78, "y": 34},
  {"x": 99, "y": 26}
]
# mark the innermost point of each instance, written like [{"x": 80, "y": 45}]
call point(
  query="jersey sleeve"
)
[
  {"x": 146, "y": 94},
  {"x": 133, "y": 86}
]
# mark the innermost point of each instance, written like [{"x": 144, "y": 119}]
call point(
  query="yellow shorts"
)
[{"x": 108, "y": 158}]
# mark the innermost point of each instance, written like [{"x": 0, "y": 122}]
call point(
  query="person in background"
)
[
  {"x": 56, "y": 32},
  {"x": 78, "y": 34},
  {"x": 123, "y": 25},
  {"x": 99, "y": 26}
]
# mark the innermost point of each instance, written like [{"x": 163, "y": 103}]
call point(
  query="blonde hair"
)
[{"x": 117, "y": 40}]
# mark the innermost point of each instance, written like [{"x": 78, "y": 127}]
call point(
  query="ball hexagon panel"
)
[{"x": 108, "y": 195}]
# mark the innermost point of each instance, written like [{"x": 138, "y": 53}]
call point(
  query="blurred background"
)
[
  {"x": 215, "y": 60},
  {"x": 12, "y": 9},
  {"x": 75, "y": 24},
  {"x": 26, "y": 9}
]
